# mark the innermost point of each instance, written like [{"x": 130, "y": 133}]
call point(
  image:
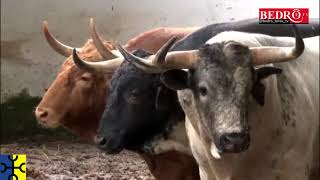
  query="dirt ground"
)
[{"x": 75, "y": 160}]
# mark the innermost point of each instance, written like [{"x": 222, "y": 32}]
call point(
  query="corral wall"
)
[{"x": 27, "y": 62}]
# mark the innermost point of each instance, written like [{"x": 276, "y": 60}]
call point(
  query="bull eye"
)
[
  {"x": 134, "y": 96},
  {"x": 203, "y": 91},
  {"x": 135, "y": 92},
  {"x": 85, "y": 77}
]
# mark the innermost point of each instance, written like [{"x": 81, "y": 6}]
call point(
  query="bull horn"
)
[
  {"x": 161, "y": 54},
  {"x": 60, "y": 48},
  {"x": 108, "y": 66},
  {"x": 162, "y": 60},
  {"x": 266, "y": 55},
  {"x": 98, "y": 43}
]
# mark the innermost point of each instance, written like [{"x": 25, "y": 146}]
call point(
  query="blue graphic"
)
[{"x": 6, "y": 170}]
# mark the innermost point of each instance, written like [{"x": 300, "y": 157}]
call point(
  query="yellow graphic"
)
[{"x": 21, "y": 165}]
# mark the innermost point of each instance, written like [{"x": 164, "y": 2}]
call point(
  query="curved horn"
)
[
  {"x": 162, "y": 60},
  {"x": 60, "y": 48},
  {"x": 98, "y": 43},
  {"x": 161, "y": 54},
  {"x": 101, "y": 66},
  {"x": 266, "y": 55}
]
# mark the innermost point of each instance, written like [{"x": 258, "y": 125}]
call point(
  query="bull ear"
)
[
  {"x": 175, "y": 79},
  {"x": 264, "y": 72},
  {"x": 258, "y": 91}
]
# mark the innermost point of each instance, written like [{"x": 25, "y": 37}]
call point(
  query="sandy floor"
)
[{"x": 67, "y": 159}]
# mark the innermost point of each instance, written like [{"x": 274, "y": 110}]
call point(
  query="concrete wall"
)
[{"x": 28, "y": 62}]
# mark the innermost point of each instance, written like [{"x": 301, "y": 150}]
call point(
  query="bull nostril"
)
[
  {"x": 234, "y": 142},
  {"x": 41, "y": 113},
  {"x": 100, "y": 140},
  {"x": 234, "y": 138}
]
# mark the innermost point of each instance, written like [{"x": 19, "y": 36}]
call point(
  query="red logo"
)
[{"x": 283, "y": 15}]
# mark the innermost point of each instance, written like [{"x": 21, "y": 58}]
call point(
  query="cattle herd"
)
[{"x": 228, "y": 101}]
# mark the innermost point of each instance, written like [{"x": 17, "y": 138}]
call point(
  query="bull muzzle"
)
[
  {"x": 111, "y": 144},
  {"x": 234, "y": 142}
]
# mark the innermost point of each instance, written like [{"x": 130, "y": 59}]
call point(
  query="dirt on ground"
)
[{"x": 75, "y": 160}]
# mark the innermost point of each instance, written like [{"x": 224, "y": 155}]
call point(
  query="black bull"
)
[{"x": 134, "y": 116}]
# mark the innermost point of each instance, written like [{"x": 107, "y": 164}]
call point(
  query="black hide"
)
[{"x": 138, "y": 109}]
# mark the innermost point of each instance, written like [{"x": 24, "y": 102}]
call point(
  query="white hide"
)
[
  {"x": 177, "y": 140},
  {"x": 277, "y": 151}
]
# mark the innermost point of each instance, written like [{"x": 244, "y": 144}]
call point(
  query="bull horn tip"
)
[
  {"x": 174, "y": 38},
  {"x": 299, "y": 41},
  {"x": 45, "y": 25},
  {"x": 77, "y": 61},
  {"x": 74, "y": 52},
  {"x": 118, "y": 46},
  {"x": 46, "y": 30},
  {"x": 122, "y": 51},
  {"x": 92, "y": 26},
  {"x": 76, "y": 58}
]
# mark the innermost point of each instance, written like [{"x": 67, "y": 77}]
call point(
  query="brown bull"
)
[
  {"x": 69, "y": 100},
  {"x": 76, "y": 98}
]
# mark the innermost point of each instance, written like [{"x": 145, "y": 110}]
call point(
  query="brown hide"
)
[
  {"x": 153, "y": 40},
  {"x": 76, "y": 98},
  {"x": 172, "y": 166}
]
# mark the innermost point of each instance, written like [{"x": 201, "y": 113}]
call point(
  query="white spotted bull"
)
[{"x": 241, "y": 123}]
